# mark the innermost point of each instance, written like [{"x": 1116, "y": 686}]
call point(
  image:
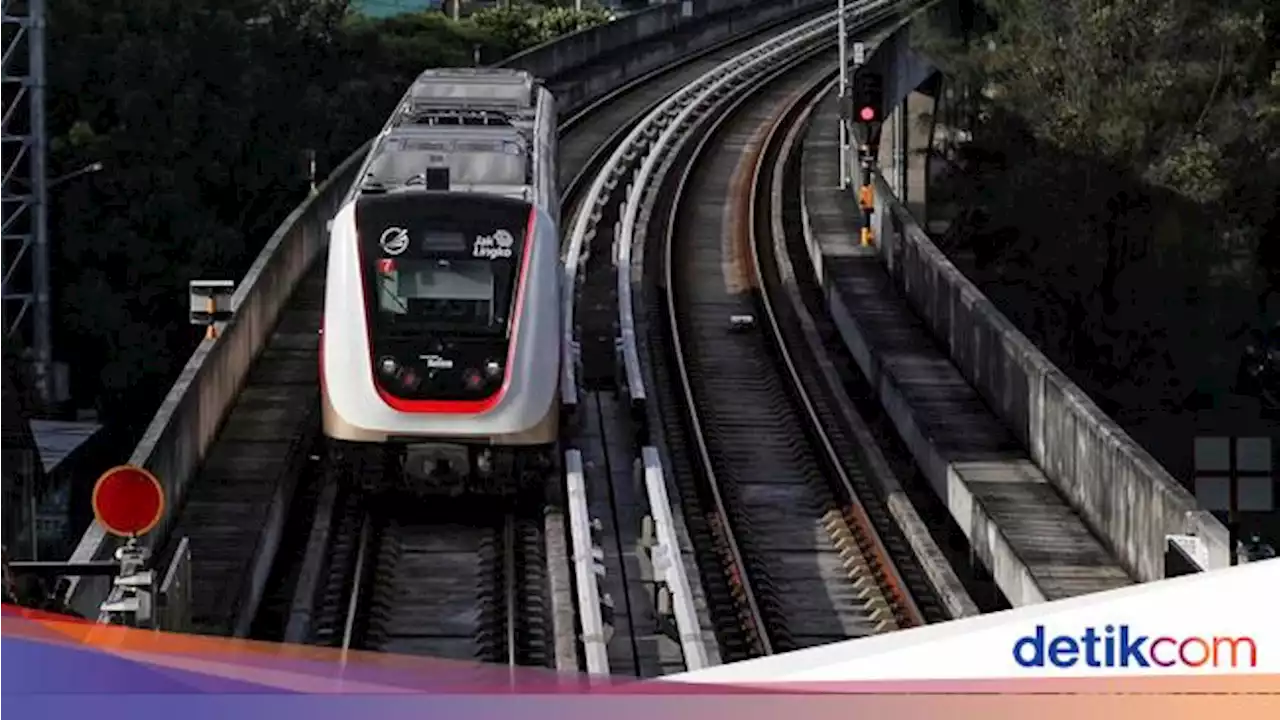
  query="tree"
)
[
  {"x": 518, "y": 25},
  {"x": 1124, "y": 178}
]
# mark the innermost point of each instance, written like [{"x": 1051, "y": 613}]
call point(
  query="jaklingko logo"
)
[{"x": 1122, "y": 647}]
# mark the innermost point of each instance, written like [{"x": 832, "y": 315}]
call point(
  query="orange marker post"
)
[
  {"x": 867, "y": 201},
  {"x": 212, "y": 331}
]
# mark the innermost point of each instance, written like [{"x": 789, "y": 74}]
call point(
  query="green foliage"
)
[
  {"x": 1124, "y": 172},
  {"x": 199, "y": 111},
  {"x": 564, "y": 20},
  {"x": 518, "y": 25},
  {"x": 513, "y": 26}
]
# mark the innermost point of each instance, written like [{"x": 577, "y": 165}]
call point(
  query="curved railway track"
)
[
  {"x": 801, "y": 541},
  {"x": 587, "y": 140}
]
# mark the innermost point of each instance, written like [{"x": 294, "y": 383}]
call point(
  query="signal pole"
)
[
  {"x": 843, "y": 41},
  {"x": 868, "y": 102}
]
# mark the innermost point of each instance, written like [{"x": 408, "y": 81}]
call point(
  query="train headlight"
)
[
  {"x": 493, "y": 368},
  {"x": 388, "y": 365}
]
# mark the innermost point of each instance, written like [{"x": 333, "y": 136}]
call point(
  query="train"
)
[{"x": 440, "y": 346}]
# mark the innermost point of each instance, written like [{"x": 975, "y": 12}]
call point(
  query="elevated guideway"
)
[{"x": 236, "y": 430}]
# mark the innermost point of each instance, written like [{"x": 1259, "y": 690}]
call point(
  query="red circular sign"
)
[
  {"x": 128, "y": 501},
  {"x": 867, "y": 114}
]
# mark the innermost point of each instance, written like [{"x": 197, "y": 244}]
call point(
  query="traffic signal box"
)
[
  {"x": 868, "y": 97},
  {"x": 868, "y": 111}
]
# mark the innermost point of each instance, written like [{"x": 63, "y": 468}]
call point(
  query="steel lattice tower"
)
[{"x": 25, "y": 190}]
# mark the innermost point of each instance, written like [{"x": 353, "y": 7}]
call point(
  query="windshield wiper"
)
[{"x": 402, "y": 306}]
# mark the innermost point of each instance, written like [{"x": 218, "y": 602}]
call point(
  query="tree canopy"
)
[
  {"x": 200, "y": 112},
  {"x": 1121, "y": 188}
]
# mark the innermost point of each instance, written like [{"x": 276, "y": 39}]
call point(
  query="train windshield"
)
[
  {"x": 442, "y": 264},
  {"x": 441, "y": 291}
]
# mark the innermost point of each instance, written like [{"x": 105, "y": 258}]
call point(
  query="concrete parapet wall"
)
[
  {"x": 1125, "y": 496},
  {"x": 193, "y": 412},
  {"x": 579, "y": 67}
]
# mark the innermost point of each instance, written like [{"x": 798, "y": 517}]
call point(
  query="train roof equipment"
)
[
  {"x": 470, "y": 96},
  {"x": 475, "y": 87},
  {"x": 461, "y": 130},
  {"x": 459, "y": 159}
]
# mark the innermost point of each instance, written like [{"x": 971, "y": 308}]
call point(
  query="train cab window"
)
[
  {"x": 445, "y": 291},
  {"x": 441, "y": 265}
]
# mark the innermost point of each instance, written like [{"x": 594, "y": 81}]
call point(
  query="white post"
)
[
  {"x": 843, "y": 38},
  {"x": 859, "y": 58}
]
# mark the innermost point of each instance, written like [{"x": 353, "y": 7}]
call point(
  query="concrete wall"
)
[
  {"x": 579, "y": 67},
  {"x": 1127, "y": 498}
]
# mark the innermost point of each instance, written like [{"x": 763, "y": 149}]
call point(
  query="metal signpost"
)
[
  {"x": 859, "y": 58},
  {"x": 128, "y": 502},
  {"x": 842, "y": 33},
  {"x": 864, "y": 111}
]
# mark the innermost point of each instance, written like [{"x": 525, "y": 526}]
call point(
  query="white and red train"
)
[{"x": 440, "y": 349}]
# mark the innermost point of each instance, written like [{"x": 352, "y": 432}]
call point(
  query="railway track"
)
[
  {"x": 608, "y": 428},
  {"x": 586, "y": 143},
  {"x": 463, "y": 583},
  {"x": 807, "y": 567},
  {"x": 809, "y": 554},
  {"x": 647, "y": 164}
]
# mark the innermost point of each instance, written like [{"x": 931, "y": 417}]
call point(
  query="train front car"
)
[{"x": 441, "y": 342}]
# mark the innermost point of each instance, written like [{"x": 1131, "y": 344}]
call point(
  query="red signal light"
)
[
  {"x": 867, "y": 114},
  {"x": 128, "y": 501}
]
